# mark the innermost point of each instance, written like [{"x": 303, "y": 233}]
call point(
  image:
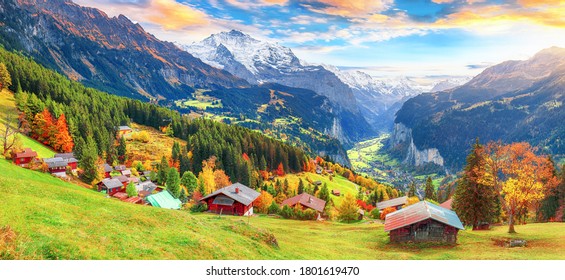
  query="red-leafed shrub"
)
[{"x": 365, "y": 206}]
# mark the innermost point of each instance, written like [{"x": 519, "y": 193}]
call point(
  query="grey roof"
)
[
  {"x": 126, "y": 172},
  {"x": 421, "y": 211},
  {"x": 108, "y": 168},
  {"x": 147, "y": 186},
  {"x": 124, "y": 127},
  {"x": 112, "y": 183},
  {"x": 223, "y": 200},
  {"x": 245, "y": 195},
  {"x": 65, "y": 155},
  {"x": 121, "y": 178},
  {"x": 55, "y": 162},
  {"x": 392, "y": 202},
  {"x": 120, "y": 168}
]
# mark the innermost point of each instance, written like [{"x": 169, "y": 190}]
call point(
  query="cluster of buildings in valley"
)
[{"x": 423, "y": 221}]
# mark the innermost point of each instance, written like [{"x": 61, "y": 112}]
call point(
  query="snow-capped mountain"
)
[
  {"x": 265, "y": 62},
  {"x": 450, "y": 83}
]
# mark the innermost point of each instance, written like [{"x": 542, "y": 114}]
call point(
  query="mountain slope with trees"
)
[{"x": 513, "y": 101}]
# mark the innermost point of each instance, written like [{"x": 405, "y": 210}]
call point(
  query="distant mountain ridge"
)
[
  {"x": 511, "y": 101},
  {"x": 264, "y": 62},
  {"x": 111, "y": 54}
]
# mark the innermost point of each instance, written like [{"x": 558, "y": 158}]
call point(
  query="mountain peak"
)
[{"x": 238, "y": 33}]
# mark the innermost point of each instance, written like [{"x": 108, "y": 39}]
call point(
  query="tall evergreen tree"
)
[
  {"x": 88, "y": 161},
  {"x": 324, "y": 193},
  {"x": 176, "y": 152},
  {"x": 122, "y": 150},
  {"x": 430, "y": 192},
  {"x": 173, "y": 182},
  {"x": 412, "y": 189},
  {"x": 300, "y": 186},
  {"x": 162, "y": 171},
  {"x": 474, "y": 201}
]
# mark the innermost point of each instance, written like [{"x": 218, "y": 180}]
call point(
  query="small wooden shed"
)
[{"x": 423, "y": 222}]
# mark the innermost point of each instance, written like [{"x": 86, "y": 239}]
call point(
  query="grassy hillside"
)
[
  {"x": 58, "y": 220},
  {"x": 338, "y": 182},
  {"x": 7, "y": 103}
]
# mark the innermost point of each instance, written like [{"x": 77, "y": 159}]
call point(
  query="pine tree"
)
[
  {"x": 88, "y": 161},
  {"x": 429, "y": 189},
  {"x": 173, "y": 182},
  {"x": 122, "y": 150},
  {"x": 324, "y": 193},
  {"x": 5, "y": 78},
  {"x": 348, "y": 209},
  {"x": 412, "y": 189},
  {"x": 162, "y": 171},
  {"x": 263, "y": 163},
  {"x": 300, "y": 186},
  {"x": 176, "y": 152},
  {"x": 474, "y": 201}
]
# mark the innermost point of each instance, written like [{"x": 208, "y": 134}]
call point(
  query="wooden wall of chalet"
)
[{"x": 425, "y": 231}]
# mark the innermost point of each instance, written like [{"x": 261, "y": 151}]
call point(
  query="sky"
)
[{"x": 413, "y": 38}]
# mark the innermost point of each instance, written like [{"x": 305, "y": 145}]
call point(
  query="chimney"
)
[
  {"x": 310, "y": 199},
  {"x": 236, "y": 189}
]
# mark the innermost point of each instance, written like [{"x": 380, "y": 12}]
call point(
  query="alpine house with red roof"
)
[
  {"x": 236, "y": 199},
  {"x": 306, "y": 201},
  {"x": 423, "y": 222}
]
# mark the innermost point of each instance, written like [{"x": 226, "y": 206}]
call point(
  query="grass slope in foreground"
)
[{"x": 59, "y": 220}]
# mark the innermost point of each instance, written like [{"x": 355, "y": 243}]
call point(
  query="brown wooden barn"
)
[
  {"x": 423, "y": 222},
  {"x": 236, "y": 199}
]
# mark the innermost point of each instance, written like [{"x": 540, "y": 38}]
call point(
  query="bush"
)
[
  {"x": 287, "y": 212},
  {"x": 309, "y": 214},
  {"x": 387, "y": 211},
  {"x": 142, "y": 136},
  {"x": 274, "y": 208},
  {"x": 375, "y": 214},
  {"x": 199, "y": 207}
]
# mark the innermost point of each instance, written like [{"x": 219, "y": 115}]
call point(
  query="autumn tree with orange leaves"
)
[{"x": 521, "y": 177}]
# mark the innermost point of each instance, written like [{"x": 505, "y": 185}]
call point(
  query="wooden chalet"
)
[
  {"x": 126, "y": 173},
  {"x": 57, "y": 166},
  {"x": 423, "y": 222},
  {"x": 123, "y": 130},
  {"x": 25, "y": 157},
  {"x": 317, "y": 183},
  {"x": 396, "y": 203},
  {"x": 72, "y": 162},
  {"x": 145, "y": 189},
  {"x": 134, "y": 200},
  {"x": 336, "y": 192},
  {"x": 236, "y": 199},
  {"x": 306, "y": 201},
  {"x": 121, "y": 196},
  {"x": 110, "y": 186},
  {"x": 107, "y": 170},
  {"x": 123, "y": 180},
  {"x": 120, "y": 168}
]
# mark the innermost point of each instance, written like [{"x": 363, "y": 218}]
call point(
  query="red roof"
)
[
  {"x": 121, "y": 195},
  {"x": 27, "y": 153},
  {"x": 447, "y": 204},
  {"x": 306, "y": 200},
  {"x": 421, "y": 211},
  {"x": 133, "y": 199}
]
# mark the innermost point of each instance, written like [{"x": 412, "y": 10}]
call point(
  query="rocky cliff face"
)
[
  {"x": 111, "y": 54},
  {"x": 402, "y": 137}
]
